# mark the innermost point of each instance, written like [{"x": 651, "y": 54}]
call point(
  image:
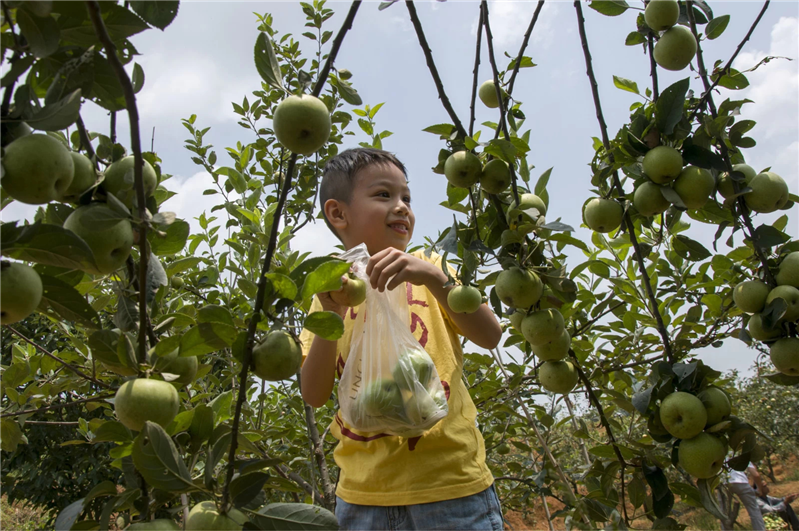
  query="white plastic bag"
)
[{"x": 389, "y": 384}]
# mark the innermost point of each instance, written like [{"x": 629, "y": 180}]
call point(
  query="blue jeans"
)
[{"x": 479, "y": 511}]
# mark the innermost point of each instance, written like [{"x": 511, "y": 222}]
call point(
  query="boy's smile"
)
[{"x": 379, "y": 213}]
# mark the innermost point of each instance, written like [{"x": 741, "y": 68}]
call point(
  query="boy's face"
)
[{"x": 379, "y": 213}]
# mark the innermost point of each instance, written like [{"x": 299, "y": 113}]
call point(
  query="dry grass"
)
[{"x": 21, "y": 516}]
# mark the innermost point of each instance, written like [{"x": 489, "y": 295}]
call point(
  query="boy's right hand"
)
[{"x": 329, "y": 305}]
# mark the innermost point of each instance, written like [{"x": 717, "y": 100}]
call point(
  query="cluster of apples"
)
[
  {"x": 464, "y": 169},
  {"x": 39, "y": 169},
  {"x": 664, "y": 167},
  {"x": 752, "y": 296},
  {"x": 769, "y": 191},
  {"x": 544, "y": 328},
  {"x": 405, "y": 396},
  {"x": 676, "y": 46},
  {"x": 686, "y": 416}
]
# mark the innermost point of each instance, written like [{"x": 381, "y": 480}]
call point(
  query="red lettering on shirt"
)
[
  {"x": 416, "y": 320},
  {"x": 412, "y": 443},
  {"x": 411, "y": 300},
  {"x": 445, "y": 385},
  {"x": 354, "y": 436}
]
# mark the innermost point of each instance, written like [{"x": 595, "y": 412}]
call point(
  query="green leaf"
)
[
  {"x": 444, "y": 130},
  {"x": 104, "y": 345},
  {"x": 669, "y": 107},
  {"x": 107, "y": 90},
  {"x": 625, "y": 84},
  {"x": 174, "y": 241},
  {"x": 42, "y": 33},
  {"x": 113, "y": 431},
  {"x": 604, "y": 450},
  {"x": 610, "y": 8},
  {"x": 158, "y": 13},
  {"x": 202, "y": 425},
  {"x": 717, "y": 26},
  {"x": 67, "y": 302},
  {"x": 768, "y": 236},
  {"x": 206, "y": 338},
  {"x": 266, "y": 61},
  {"x": 283, "y": 285},
  {"x": 326, "y": 277},
  {"x": 733, "y": 81},
  {"x": 662, "y": 497},
  {"x": 708, "y": 496},
  {"x": 213, "y": 313},
  {"x": 158, "y": 461},
  {"x": 634, "y": 38},
  {"x": 18, "y": 67},
  {"x": 294, "y": 516},
  {"x": 66, "y": 518},
  {"x": 246, "y": 487},
  {"x": 327, "y": 325},
  {"x": 501, "y": 149},
  {"x": 10, "y": 435},
  {"x": 59, "y": 115},
  {"x": 138, "y": 78},
  {"x": 347, "y": 92},
  {"x": 783, "y": 379},
  {"x": 106, "y": 488},
  {"x": 541, "y": 184}
]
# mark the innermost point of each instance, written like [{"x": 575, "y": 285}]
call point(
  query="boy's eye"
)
[{"x": 407, "y": 199}]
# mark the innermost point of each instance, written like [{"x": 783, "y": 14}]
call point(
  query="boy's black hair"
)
[{"x": 338, "y": 177}]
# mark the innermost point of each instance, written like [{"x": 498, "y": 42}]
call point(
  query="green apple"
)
[
  {"x": 344, "y": 74},
  {"x": 184, "y": 366},
  {"x": 382, "y": 398},
  {"x": 717, "y": 405},
  {"x": 662, "y": 164},
  {"x": 675, "y": 49},
  {"x": 602, "y": 215},
  {"x": 649, "y": 200},
  {"x": 518, "y": 288},
  {"x": 420, "y": 407},
  {"x": 352, "y": 293},
  {"x": 82, "y": 179},
  {"x": 543, "y": 326},
  {"x": 142, "y": 399},
  {"x": 278, "y": 357},
  {"x": 702, "y": 455},
  {"x": 558, "y": 377},
  {"x": 177, "y": 282},
  {"x": 769, "y": 193},
  {"x": 464, "y": 299},
  {"x": 661, "y": 14},
  {"x": 694, "y": 186},
  {"x": 516, "y": 319},
  {"x": 760, "y": 332},
  {"x": 750, "y": 296},
  {"x": 725, "y": 185},
  {"x": 302, "y": 124},
  {"x": 20, "y": 291},
  {"x": 119, "y": 180},
  {"x": 495, "y": 177},
  {"x": 788, "y": 274},
  {"x": 110, "y": 241},
  {"x": 488, "y": 94},
  {"x": 785, "y": 356},
  {"x": 38, "y": 169},
  {"x": 683, "y": 415},
  {"x": 503, "y": 449},
  {"x": 527, "y": 201},
  {"x": 791, "y": 297},
  {"x": 463, "y": 169},
  {"x": 205, "y": 517},
  {"x": 555, "y": 350},
  {"x": 413, "y": 366},
  {"x": 161, "y": 524}
]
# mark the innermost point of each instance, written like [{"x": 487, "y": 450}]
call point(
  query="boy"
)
[{"x": 439, "y": 480}]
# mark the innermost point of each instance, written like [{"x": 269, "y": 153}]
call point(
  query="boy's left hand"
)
[{"x": 403, "y": 267}]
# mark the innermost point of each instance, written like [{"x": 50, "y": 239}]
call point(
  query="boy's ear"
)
[{"x": 335, "y": 213}]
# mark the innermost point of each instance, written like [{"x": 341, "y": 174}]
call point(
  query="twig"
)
[
  {"x": 744, "y": 210},
  {"x": 261, "y": 293},
  {"x": 570, "y": 407},
  {"x": 51, "y": 423},
  {"x": 57, "y": 406},
  {"x": 653, "y": 68},
  {"x": 135, "y": 141},
  {"x": 475, "y": 73},
  {"x": 9, "y": 89},
  {"x": 328, "y": 488},
  {"x": 59, "y": 360},
  {"x": 502, "y": 124},
  {"x": 525, "y": 41},
  {"x": 630, "y": 365},
  {"x": 593, "y": 321},
  {"x": 728, "y": 66},
  {"x": 428, "y": 55},
  {"x": 653, "y": 303},
  {"x": 85, "y": 140}
]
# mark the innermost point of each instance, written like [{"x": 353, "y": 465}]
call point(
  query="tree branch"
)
[
  {"x": 59, "y": 360},
  {"x": 525, "y": 41},
  {"x": 57, "y": 406},
  {"x": 428, "y": 55},
  {"x": 93, "y": 8},
  {"x": 261, "y": 293},
  {"x": 319, "y": 454},
  {"x": 475, "y": 74},
  {"x": 653, "y": 303},
  {"x": 653, "y": 68}
]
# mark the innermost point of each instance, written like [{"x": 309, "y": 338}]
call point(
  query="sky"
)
[{"x": 204, "y": 61}]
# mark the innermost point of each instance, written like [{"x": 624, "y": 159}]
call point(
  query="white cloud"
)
[{"x": 509, "y": 22}]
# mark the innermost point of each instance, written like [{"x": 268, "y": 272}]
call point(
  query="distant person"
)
[
  {"x": 780, "y": 506},
  {"x": 738, "y": 483}
]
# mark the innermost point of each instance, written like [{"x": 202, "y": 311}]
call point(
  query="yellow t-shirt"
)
[{"x": 448, "y": 461}]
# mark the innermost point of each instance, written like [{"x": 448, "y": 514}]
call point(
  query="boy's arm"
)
[
  {"x": 761, "y": 485},
  {"x": 480, "y": 327},
  {"x": 318, "y": 371}
]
